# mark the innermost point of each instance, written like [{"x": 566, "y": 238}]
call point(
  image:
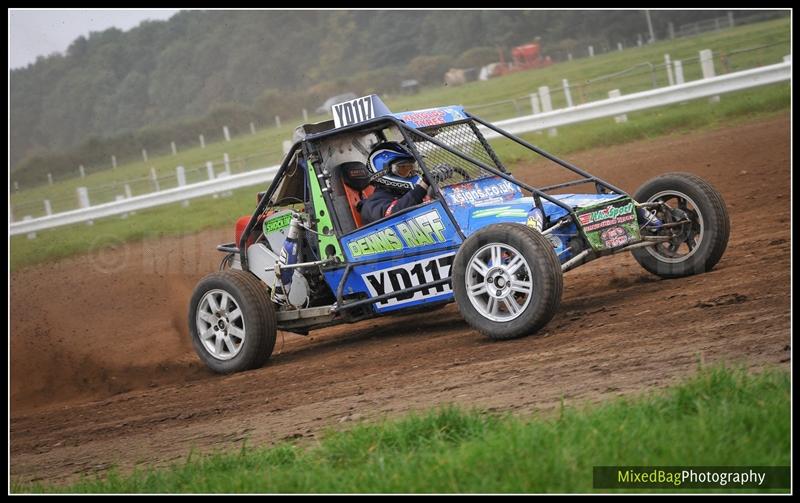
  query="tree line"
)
[{"x": 120, "y": 92}]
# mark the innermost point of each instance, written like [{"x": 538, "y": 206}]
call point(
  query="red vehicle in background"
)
[{"x": 525, "y": 57}]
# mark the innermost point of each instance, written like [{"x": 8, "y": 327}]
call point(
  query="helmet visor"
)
[{"x": 404, "y": 167}]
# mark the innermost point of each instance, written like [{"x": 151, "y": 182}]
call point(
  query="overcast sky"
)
[{"x": 33, "y": 33}]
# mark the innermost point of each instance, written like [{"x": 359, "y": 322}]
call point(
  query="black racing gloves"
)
[{"x": 439, "y": 173}]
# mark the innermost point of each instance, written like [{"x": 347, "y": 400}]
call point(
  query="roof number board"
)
[{"x": 353, "y": 111}]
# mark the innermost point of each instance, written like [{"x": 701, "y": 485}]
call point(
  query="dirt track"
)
[{"x": 102, "y": 372}]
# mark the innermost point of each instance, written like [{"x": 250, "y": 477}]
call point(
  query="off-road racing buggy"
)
[{"x": 496, "y": 246}]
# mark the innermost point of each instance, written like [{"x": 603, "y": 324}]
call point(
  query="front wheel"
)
[
  {"x": 232, "y": 321},
  {"x": 693, "y": 218},
  {"x": 507, "y": 281}
]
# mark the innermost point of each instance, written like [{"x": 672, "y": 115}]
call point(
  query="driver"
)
[{"x": 397, "y": 182}]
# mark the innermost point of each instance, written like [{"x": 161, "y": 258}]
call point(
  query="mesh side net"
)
[{"x": 459, "y": 137}]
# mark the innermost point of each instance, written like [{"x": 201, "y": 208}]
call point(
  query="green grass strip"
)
[{"x": 720, "y": 416}]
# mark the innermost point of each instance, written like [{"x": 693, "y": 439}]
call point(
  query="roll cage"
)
[{"x": 309, "y": 156}]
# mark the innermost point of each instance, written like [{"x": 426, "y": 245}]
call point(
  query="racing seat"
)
[{"x": 350, "y": 184}]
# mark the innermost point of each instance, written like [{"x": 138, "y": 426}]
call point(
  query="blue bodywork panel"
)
[
  {"x": 396, "y": 274},
  {"x": 399, "y": 252},
  {"x": 418, "y": 246},
  {"x": 422, "y": 229}
]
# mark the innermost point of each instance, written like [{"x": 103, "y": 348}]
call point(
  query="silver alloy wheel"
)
[
  {"x": 686, "y": 243},
  {"x": 220, "y": 324},
  {"x": 499, "y": 282}
]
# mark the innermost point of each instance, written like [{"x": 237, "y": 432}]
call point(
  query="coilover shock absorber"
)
[{"x": 290, "y": 255}]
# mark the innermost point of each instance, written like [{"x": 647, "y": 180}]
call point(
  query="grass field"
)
[
  {"x": 265, "y": 147},
  {"x": 204, "y": 213},
  {"x": 719, "y": 417}
]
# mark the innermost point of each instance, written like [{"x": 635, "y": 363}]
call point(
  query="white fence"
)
[
  {"x": 647, "y": 99},
  {"x": 207, "y": 188},
  {"x": 598, "y": 109}
]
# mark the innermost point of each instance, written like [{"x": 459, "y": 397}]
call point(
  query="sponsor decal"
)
[
  {"x": 277, "y": 223},
  {"x": 605, "y": 217},
  {"x": 613, "y": 237},
  {"x": 471, "y": 193},
  {"x": 426, "y": 118},
  {"x": 432, "y": 116},
  {"x": 421, "y": 230},
  {"x": 409, "y": 275},
  {"x": 607, "y": 223},
  {"x": 611, "y": 226},
  {"x": 382, "y": 241}
]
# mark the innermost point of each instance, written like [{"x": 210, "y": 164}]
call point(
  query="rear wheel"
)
[
  {"x": 232, "y": 321},
  {"x": 507, "y": 281},
  {"x": 698, "y": 221}
]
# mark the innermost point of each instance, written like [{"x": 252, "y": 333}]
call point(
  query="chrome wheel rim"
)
[
  {"x": 686, "y": 239},
  {"x": 220, "y": 325},
  {"x": 499, "y": 282}
]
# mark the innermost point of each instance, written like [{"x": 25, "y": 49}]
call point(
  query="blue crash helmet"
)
[{"x": 383, "y": 158}]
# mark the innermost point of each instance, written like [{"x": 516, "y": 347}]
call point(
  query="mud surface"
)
[{"x": 103, "y": 374}]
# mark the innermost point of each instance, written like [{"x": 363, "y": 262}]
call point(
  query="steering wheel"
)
[{"x": 457, "y": 169}]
